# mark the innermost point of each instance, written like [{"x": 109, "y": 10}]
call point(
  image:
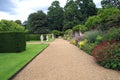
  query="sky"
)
[{"x": 20, "y": 9}]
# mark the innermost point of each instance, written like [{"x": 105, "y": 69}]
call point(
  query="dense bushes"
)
[
  {"x": 92, "y": 35},
  {"x": 12, "y": 41},
  {"x": 34, "y": 37},
  {"x": 107, "y": 54},
  {"x": 112, "y": 34},
  {"x": 106, "y": 19}
]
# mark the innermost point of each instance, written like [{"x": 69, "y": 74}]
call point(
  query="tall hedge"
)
[
  {"x": 12, "y": 42},
  {"x": 35, "y": 37}
]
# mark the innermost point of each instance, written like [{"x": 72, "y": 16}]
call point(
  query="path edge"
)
[{"x": 27, "y": 63}]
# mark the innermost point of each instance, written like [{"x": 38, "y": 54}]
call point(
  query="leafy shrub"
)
[
  {"x": 57, "y": 33},
  {"x": 92, "y": 22},
  {"x": 68, "y": 34},
  {"x": 99, "y": 39},
  {"x": 72, "y": 41},
  {"x": 12, "y": 41},
  {"x": 82, "y": 43},
  {"x": 81, "y": 28},
  {"x": 113, "y": 33},
  {"x": 88, "y": 47},
  {"x": 91, "y": 35},
  {"x": 107, "y": 54},
  {"x": 110, "y": 17}
]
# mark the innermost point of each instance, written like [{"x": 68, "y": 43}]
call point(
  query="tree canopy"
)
[
  {"x": 72, "y": 16},
  {"x": 87, "y": 8},
  {"x": 37, "y": 22},
  {"x": 6, "y": 25},
  {"x": 55, "y": 16},
  {"x": 110, "y": 3}
]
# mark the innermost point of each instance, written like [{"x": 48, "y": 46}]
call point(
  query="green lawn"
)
[{"x": 10, "y": 63}]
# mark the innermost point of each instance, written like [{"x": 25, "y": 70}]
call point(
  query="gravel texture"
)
[{"x": 64, "y": 61}]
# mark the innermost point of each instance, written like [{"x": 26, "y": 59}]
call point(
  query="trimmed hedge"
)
[
  {"x": 34, "y": 37},
  {"x": 12, "y": 42}
]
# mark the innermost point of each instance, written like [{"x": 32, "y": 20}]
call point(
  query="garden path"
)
[{"x": 64, "y": 61}]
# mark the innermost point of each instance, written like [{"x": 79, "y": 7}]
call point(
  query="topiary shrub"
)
[
  {"x": 107, "y": 54},
  {"x": 12, "y": 42}
]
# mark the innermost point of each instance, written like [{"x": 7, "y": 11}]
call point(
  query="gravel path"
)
[{"x": 63, "y": 61}]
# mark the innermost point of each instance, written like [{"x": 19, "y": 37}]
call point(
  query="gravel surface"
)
[{"x": 64, "y": 61}]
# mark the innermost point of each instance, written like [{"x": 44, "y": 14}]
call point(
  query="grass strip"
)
[{"x": 10, "y": 63}]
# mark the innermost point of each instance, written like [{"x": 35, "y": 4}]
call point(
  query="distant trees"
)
[
  {"x": 18, "y": 22},
  {"x": 110, "y": 3},
  {"x": 106, "y": 19},
  {"x": 6, "y": 25},
  {"x": 72, "y": 16},
  {"x": 38, "y": 22},
  {"x": 55, "y": 16},
  {"x": 74, "y": 13},
  {"x": 87, "y": 8}
]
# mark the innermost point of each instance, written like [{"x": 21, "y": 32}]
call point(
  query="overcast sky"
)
[{"x": 20, "y": 9}]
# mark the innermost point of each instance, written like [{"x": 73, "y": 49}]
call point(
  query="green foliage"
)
[
  {"x": 69, "y": 31},
  {"x": 110, "y": 3},
  {"x": 12, "y": 41},
  {"x": 88, "y": 47},
  {"x": 87, "y": 8},
  {"x": 55, "y": 16},
  {"x": 57, "y": 33},
  {"x": 112, "y": 34},
  {"x": 72, "y": 41},
  {"x": 72, "y": 15},
  {"x": 38, "y": 23},
  {"x": 68, "y": 34},
  {"x": 76, "y": 28},
  {"x": 6, "y": 25},
  {"x": 107, "y": 54},
  {"x": 99, "y": 39},
  {"x": 68, "y": 25},
  {"x": 82, "y": 43},
  {"x": 92, "y": 22},
  {"x": 81, "y": 28},
  {"x": 34, "y": 37},
  {"x": 18, "y": 22},
  {"x": 91, "y": 35},
  {"x": 109, "y": 18},
  {"x": 13, "y": 62}
]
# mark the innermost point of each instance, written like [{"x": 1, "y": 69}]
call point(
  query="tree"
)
[
  {"x": 55, "y": 16},
  {"x": 72, "y": 16},
  {"x": 110, "y": 3},
  {"x": 87, "y": 8},
  {"x": 6, "y": 25},
  {"x": 93, "y": 22},
  {"x": 18, "y": 22},
  {"x": 109, "y": 18},
  {"x": 37, "y": 22}
]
